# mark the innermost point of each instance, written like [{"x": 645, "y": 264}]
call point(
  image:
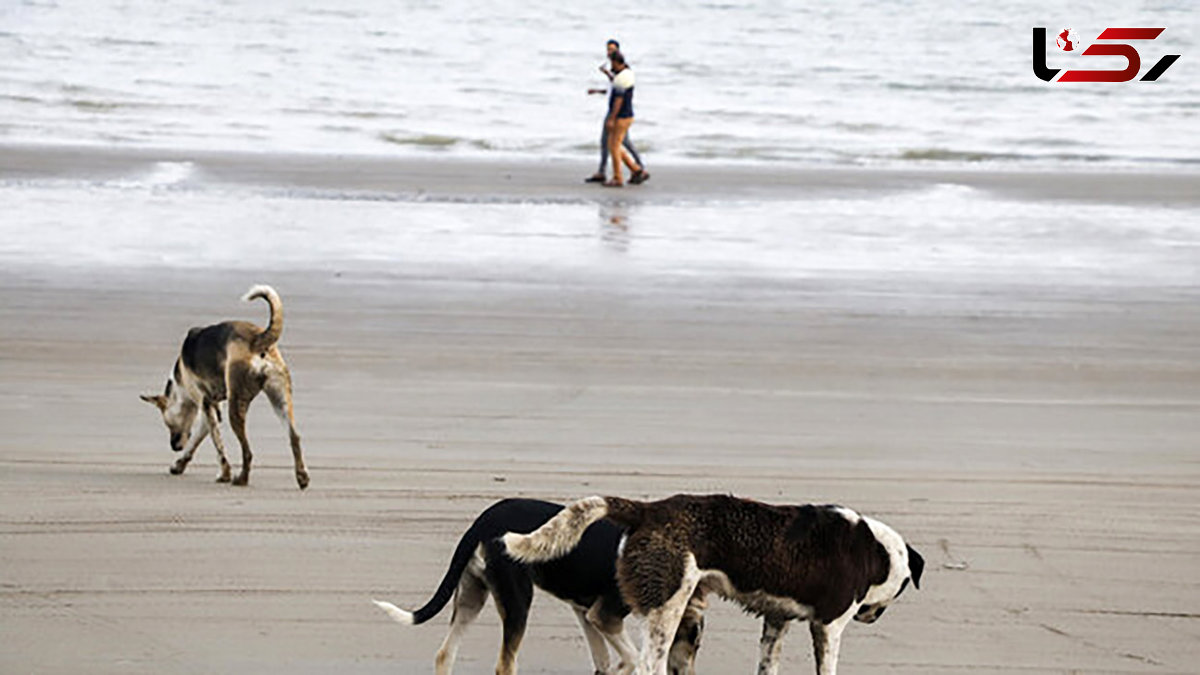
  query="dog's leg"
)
[
  {"x": 662, "y": 623},
  {"x": 596, "y": 643},
  {"x": 512, "y": 589},
  {"x": 214, "y": 428},
  {"x": 770, "y": 645},
  {"x": 468, "y": 601},
  {"x": 682, "y": 658},
  {"x": 626, "y": 648},
  {"x": 197, "y": 438},
  {"x": 237, "y": 420},
  {"x": 279, "y": 391},
  {"x": 611, "y": 624},
  {"x": 827, "y": 640}
]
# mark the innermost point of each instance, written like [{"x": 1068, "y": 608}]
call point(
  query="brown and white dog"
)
[
  {"x": 823, "y": 564},
  {"x": 232, "y": 360}
]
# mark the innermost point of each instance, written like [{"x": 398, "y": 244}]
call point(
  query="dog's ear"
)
[
  {"x": 158, "y": 401},
  {"x": 916, "y": 565}
]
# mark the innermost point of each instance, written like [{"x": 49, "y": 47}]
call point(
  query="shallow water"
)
[
  {"x": 847, "y": 83},
  {"x": 942, "y": 234}
]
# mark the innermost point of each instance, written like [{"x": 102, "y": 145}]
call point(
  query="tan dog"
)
[{"x": 232, "y": 360}]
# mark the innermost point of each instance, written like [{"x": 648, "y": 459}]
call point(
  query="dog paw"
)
[
  {"x": 241, "y": 480},
  {"x": 224, "y": 477},
  {"x": 302, "y": 480},
  {"x": 176, "y": 469}
]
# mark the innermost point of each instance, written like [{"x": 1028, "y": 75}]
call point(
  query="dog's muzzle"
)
[{"x": 870, "y": 614}]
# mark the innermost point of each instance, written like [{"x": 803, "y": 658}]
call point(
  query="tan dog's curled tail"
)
[
  {"x": 266, "y": 339},
  {"x": 561, "y": 534}
]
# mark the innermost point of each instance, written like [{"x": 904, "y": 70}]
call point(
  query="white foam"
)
[
  {"x": 945, "y": 234},
  {"x": 160, "y": 174}
]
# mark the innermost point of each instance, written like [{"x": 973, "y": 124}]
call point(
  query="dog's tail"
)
[
  {"x": 561, "y": 534},
  {"x": 458, "y": 563},
  {"x": 264, "y": 340}
]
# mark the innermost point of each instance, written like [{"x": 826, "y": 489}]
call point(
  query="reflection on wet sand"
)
[{"x": 615, "y": 225}]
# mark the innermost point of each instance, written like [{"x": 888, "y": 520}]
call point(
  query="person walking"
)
[
  {"x": 611, "y": 47},
  {"x": 620, "y": 118}
]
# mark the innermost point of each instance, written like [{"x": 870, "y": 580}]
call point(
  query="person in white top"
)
[
  {"x": 620, "y": 118},
  {"x": 599, "y": 177}
]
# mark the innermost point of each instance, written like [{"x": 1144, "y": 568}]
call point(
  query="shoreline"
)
[{"x": 482, "y": 180}]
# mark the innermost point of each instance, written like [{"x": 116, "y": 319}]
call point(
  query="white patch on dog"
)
[
  {"x": 893, "y": 543},
  {"x": 477, "y": 566},
  {"x": 846, "y": 513},
  {"x": 559, "y": 536},
  {"x": 398, "y": 615},
  {"x": 663, "y": 622}
]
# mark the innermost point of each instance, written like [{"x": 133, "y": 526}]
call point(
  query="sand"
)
[
  {"x": 1038, "y": 445},
  {"x": 561, "y": 181}
]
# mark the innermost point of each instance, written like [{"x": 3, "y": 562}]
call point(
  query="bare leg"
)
[{"x": 468, "y": 601}]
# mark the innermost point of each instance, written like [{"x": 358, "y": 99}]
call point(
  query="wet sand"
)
[
  {"x": 1038, "y": 446},
  {"x": 558, "y": 181}
]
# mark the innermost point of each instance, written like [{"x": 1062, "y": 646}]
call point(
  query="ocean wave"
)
[
  {"x": 87, "y": 105},
  {"x": 960, "y": 87},
  {"x": 110, "y": 41},
  {"x": 423, "y": 140},
  {"x": 976, "y": 156}
]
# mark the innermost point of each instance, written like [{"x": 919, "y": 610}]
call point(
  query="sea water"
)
[
  {"x": 855, "y": 82},
  {"x": 850, "y": 84}
]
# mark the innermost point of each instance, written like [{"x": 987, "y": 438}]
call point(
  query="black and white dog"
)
[
  {"x": 585, "y": 578},
  {"x": 824, "y": 564}
]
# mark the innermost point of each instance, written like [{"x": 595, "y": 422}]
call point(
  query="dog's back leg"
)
[
  {"x": 468, "y": 601},
  {"x": 238, "y": 405},
  {"x": 662, "y": 620},
  {"x": 596, "y": 643},
  {"x": 243, "y": 385},
  {"x": 608, "y": 616},
  {"x": 770, "y": 645},
  {"x": 279, "y": 390},
  {"x": 512, "y": 589},
  {"x": 214, "y": 428}
]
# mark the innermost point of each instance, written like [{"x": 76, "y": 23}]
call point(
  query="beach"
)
[
  {"x": 1033, "y": 436},
  {"x": 879, "y": 262}
]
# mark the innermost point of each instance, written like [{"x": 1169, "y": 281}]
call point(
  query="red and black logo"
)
[{"x": 1067, "y": 42}]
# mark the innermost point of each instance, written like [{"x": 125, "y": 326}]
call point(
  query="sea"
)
[{"x": 866, "y": 85}]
